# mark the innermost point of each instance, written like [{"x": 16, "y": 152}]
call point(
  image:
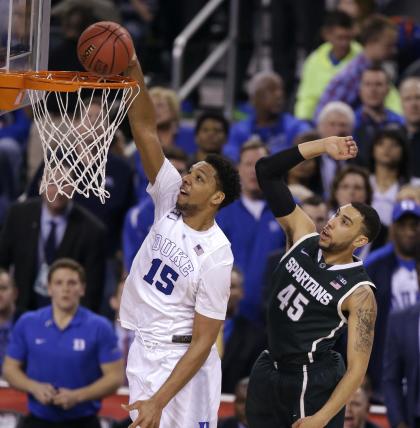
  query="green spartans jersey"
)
[{"x": 304, "y": 312}]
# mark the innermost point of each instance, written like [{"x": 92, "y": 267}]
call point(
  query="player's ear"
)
[
  {"x": 218, "y": 197},
  {"x": 360, "y": 241}
]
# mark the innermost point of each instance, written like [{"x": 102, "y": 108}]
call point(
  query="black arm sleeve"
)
[{"x": 271, "y": 171}]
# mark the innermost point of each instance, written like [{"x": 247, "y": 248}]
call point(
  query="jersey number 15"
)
[
  {"x": 294, "y": 308},
  {"x": 167, "y": 275}
]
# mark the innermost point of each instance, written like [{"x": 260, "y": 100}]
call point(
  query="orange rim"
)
[
  {"x": 68, "y": 81},
  {"x": 62, "y": 81}
]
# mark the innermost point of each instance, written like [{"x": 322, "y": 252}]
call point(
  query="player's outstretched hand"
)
[
  {"x": 149, "y": 413},
  {"x": 308, "y": 422},
  {"x": 341, "y": 148}
]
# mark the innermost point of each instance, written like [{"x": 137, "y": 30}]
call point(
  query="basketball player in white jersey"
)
[{"x": 176, "y": 294}]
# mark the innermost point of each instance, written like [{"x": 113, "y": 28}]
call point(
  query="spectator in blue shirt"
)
[
  {"x": 211, "y": 132},
  {"x": 252, "y": 230},
  {"x": 276, "y": 128},
  {"x": 378, "y": 37},
  {"x": 372, "y": 115},
  {"x": 8, "y": 312},
  {"x": 393, "y": 266},
  {"x": 64, "y": 356}
]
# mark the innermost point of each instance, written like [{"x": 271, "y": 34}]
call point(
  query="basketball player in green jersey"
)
[{"x": 318, "y": 289}]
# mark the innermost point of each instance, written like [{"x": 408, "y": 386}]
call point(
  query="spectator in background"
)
[
  {"x": 252, "y": 230},
  {"x": 276, "y": 128},
  {"x": 357, "y": 408},
  {"x": 378, "y": 37},
  {"x": 410, "y": 100},
  {"x": 242, "y": 340},
  {"x": 14, "y": 133},
  {"x": 336, "y": 118},
  {"x": 409, "y": 191},
  {"x": 401, "y": 368},
  {"x": 37, "y": 232},
  {"x": 8, "y": 312},
  {"x": 388, "y": 164},
  {"x": 393, "y": 267},
  {"x": 239, "y": 420},
  {"x": 359, "y": 10},
  {"x": 139, "y": 218},
  {"x": 307, "y": 173},
  {"x": 352, "y": 184},
  {"x": 325, "y": 62},
  {"x": 317, "y": 210},
  {"x": 64, "y": 356},
  {"x": 372, "y": 115},
  {"x": 170, "y": 132},
  {"x": 211, "y": 132}
]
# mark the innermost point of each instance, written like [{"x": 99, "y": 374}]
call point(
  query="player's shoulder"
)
[{"x": 308, "y": 243}]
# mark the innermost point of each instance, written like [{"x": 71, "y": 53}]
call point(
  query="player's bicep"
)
[
  {"x": 362, "y": 309},
  {"x": 296, "y": 225}
]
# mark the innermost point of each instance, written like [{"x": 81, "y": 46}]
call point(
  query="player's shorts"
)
[
  {"x": 196, "y": 405},
  {"x": 279, "y": 395}
]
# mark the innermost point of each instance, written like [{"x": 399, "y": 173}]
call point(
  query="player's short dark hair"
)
[
  {"x": 373, "y": 28},
  {"x": 337, "y": 18},
  {"x": 313, "y": 200},
  {"x": 67, "y": 263},
  {"x": 213, "y": 115},
  {"x": 227, "y": 177},
  {"x": 371, "y": 220},
  {"x": 377, "y": 68}
]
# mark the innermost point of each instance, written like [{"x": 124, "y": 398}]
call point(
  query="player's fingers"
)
[
  {"x": 136, "y": 423},
  {"x": 132, "y": 406}
]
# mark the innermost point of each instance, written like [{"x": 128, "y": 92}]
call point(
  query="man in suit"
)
[
  {"x": 243, "y": 340},
  {"x": 401, "y": 361},
  {"x": 37, "y": 231},
  {"x": 239, "y": 420}
]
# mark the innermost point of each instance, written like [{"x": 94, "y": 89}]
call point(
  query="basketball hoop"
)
[{"x": 76, "y": 143}]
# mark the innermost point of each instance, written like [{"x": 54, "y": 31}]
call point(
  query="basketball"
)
[{"x": 105, "y": 48}]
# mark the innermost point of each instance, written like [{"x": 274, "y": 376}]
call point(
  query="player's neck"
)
[
  {"x": 201, "y": 221},
  {"x": 341, "y": 258}
]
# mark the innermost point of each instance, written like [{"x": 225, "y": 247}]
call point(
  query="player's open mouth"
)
[
  {"x": 324, "y": 234},
  {"x": 183, "y": 192}
]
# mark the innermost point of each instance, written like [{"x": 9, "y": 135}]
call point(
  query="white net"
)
[{"x": 76, "y": 140}]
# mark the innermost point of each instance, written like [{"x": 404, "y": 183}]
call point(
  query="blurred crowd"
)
[{"x": 337, "y": 67}]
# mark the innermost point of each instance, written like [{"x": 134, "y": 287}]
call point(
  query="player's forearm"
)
[
  {"x": 142, "y": 112},
  {"x": 313, "y": 149},
  {"x": 183, "y": 372},
  {"x": 104, "y": 386},
  {"x": 351, "y": 380}
]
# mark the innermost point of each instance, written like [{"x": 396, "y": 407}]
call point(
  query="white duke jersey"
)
[{"x": 177, "y": 270}]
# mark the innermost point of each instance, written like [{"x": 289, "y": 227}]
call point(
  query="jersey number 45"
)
[
  {"x": 294, "y": 308},
  {"x": 167, "y": 275}
]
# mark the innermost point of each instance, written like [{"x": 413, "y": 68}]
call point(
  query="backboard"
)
[{"x": 24, "y": 36}]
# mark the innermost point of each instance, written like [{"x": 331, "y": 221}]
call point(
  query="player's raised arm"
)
[
  {"x": 271, "y": 172},
  {"x": 142, "y": 119}
]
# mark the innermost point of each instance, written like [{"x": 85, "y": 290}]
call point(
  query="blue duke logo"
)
[{"x": 204, "y": 425}]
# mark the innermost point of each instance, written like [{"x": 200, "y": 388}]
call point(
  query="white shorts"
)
[{"x": 196, "y": 405}]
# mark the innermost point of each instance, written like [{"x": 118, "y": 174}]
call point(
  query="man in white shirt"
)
[{"x": 176, "y": 293}]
